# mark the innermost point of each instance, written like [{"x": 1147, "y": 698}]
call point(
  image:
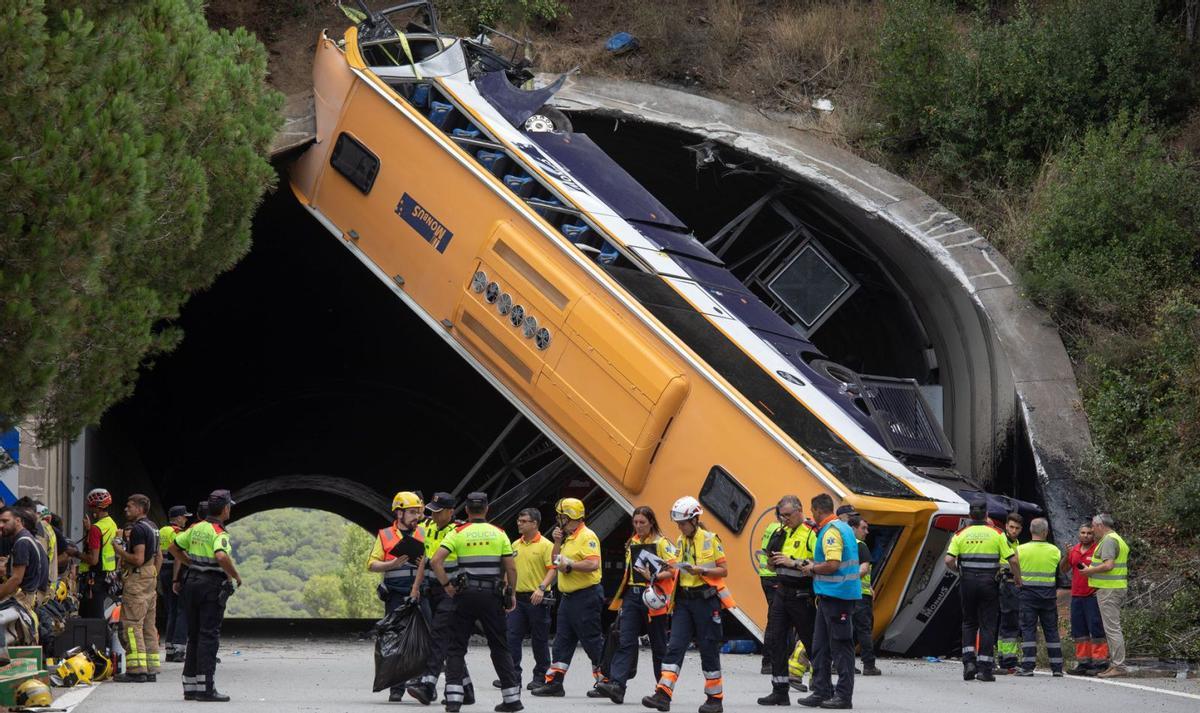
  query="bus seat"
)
[
  {"x": 521, "y": 185},
  {"x": 545, "y": 212},
  {"x": 493, "y": 161},
  {"x": 469, "y": 133},
  {"x": 440, "y": 113},
  {"x": 608, "y": 254},
  {"x": 420, "y": 96},
  {"x": 574, "y": 231}
]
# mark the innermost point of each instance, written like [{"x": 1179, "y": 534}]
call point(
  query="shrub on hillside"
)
[
  {"x": 467, "y": 15},
  {"x": 1016, "y": 86},
  {"x": 133, "y": 156},
  {"x": 1115, "y": 222}
]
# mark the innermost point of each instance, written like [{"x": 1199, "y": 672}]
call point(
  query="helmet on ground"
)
[
  {"x": 406, "y": 499},
  {"x": 653, "y": 598},
  {"x": 571, "y": 507},
  {"x": 33, "y": 693},
  {"x": 798, "y": 665},
  {"x": 99, "y": 498},
  {"x": 685, "y": 509},
  {"x": 102, "y": 663},
  {"x": 73, "y": 670}
]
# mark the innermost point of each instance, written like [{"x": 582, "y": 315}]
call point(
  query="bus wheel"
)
[{"x": 548, "y": 119}]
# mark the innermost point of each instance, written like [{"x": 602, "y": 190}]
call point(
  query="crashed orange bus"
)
[{"x": 591, "y": 307}]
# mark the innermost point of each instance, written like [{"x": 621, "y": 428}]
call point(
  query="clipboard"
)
[{"x": 411, "y": 546}]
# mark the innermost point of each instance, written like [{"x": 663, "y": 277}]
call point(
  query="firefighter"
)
[
  {"x": 838, "y": 590},
  {"x": 176, "y": 632},
  {"x": 483, "y": 590},
  {"x": 643, "y": 600},
  {"x": 440, "y": 608},
  {"x": 211, "y": 577},
  {"x": 26, "y": 567},
  {"x": 976, "y": 552},
  {"x": 402, "y": 574},
  {"x": 793, "y": 608},
  {"x": 577, "y": 558},
  {"x": 1008, "y": 645},
  {"x": 700, "y": 595},
  {"x": 139, "y": 600},
  {"x": 98, "y": 561}
]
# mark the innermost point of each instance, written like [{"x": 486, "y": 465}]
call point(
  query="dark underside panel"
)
[{"x": 854, "y": 471}]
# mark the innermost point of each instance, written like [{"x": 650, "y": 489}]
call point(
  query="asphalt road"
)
[{"x": 334, "y": 675}]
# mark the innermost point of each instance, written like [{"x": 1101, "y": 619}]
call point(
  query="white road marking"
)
[
  {"x": 1125, "y": 684},
  {"x": 75, "y": 696}
]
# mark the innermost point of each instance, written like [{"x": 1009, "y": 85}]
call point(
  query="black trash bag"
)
[{"x": 403, "y": 646}]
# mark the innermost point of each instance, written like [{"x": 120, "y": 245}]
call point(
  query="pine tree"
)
[{"x": 131, "y": 161}]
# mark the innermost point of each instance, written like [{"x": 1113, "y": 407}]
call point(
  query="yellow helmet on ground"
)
[
  {"x": 406, "y": 499},
  {"x": 101, "y": 662},
  {"x": 798, "y": 665},
  {"x": 73, "y": 670},
  {"x": 33, "y": 693},
  {"x": 571, "y": 507}
]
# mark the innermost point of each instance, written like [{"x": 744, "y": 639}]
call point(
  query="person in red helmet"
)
[{"x": 98, "y": 561}]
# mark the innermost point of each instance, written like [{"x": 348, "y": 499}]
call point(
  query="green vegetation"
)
[
  {"x": 468, "y": 15},
  {"x": 303, "y": 563},
  {"x": 995, "y": 101},
  {"x": 131, "y": 162}
]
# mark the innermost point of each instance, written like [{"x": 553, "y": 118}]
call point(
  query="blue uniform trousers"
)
[
  {"x": 696, "y": 619},
  {"x": 578, "y": 623},
  {"x": 833, "y": 648},
  {"x": 534, "y": 622},
  {"x": 634, "y": 618}
]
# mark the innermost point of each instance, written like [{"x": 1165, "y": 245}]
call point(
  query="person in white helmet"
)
[
  {"x": 643, "y": 599},
  {"x": 699, "y": 598}
]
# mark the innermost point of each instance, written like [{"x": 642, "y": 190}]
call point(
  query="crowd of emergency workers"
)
[{"x": 468, "y": 577}]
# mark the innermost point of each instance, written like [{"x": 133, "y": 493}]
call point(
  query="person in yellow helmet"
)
[
  {"x": 576, "y": 556},
  {"x": 402, "y": 573}
]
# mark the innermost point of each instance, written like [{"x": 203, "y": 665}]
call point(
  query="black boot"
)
[
  {"x": 212, "y": 696},
  {"x": 837, "y": 703},
  {"x": 869, "y": 669},
  {"x": 395, "y": 696},
  {"x": 969, "y": 672},
  {"x": 612, "y": 691},
  {"x": 129, "y": 678},
  {"x": 594, "y": 691},
  {"x": 422, "y": 693},
  {"x": 554, "y": 688},
  {"x": 776, "y": 698},
  {"x": 468, "y": 694},
  {"x": 812, "y": 701},
  {"x": 985, "y": 675},
  {"x": 659, "y": 701},
  {"x": 712, "y": 705},
  {"x": 509, "y": 707}
]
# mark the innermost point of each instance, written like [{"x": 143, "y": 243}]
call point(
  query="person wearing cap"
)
[
  {"x": 700, "y": 595},
  {"x": 98, "y": 561},
  {"x": 483, "y": 593},
  {"x": 767, "y": 577},
  {"x": 206, "y": 551},
  {"x": 577, "y": 558},
  {"x": 534, "y": 556},
  {"x": 975, "y": 552},
  {"x": 402, "y": 574},
  {"x": 139, "y": 577},
  {"x": 864, "y": 612},
  {"x": 439, "y": 608},
  {"x": 792, "y": 609},
  {"x": 175, "y": 624},
  {"x": 845, "y": 512}
]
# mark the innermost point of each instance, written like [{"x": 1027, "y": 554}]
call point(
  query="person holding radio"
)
[{"x": 789, "y": 553}]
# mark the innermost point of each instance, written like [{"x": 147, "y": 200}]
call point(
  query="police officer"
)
[
  {"x": 175, "y": 626},
  {"x": 483, "y": 593},
  {"x": 439, "y": 606},
  {"x": 1039, "y": 601},
  {"x": 139, "y": 600},
  {"x": 98, "y": 562},
  {"x": 577, "y": 558},
  {"x": 211, "y": 575},
  {"x": 402, "y": 573},
  {"x": 639, "y": 609},
  {"x": 792, "y": 608},
  {"x": 976, "y": 552},
  {"x": 767, "y": 577},
  {"x": 836, "y": 584},
  {"x": 700, "y": 595}
]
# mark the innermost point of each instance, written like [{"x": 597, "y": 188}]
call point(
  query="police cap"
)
[
  {"x": 178, "y": 511},
  {"x": 445, "y": 501},
  {"x": 477, "y": 500},
  {"x": 218, "y": 499}
]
